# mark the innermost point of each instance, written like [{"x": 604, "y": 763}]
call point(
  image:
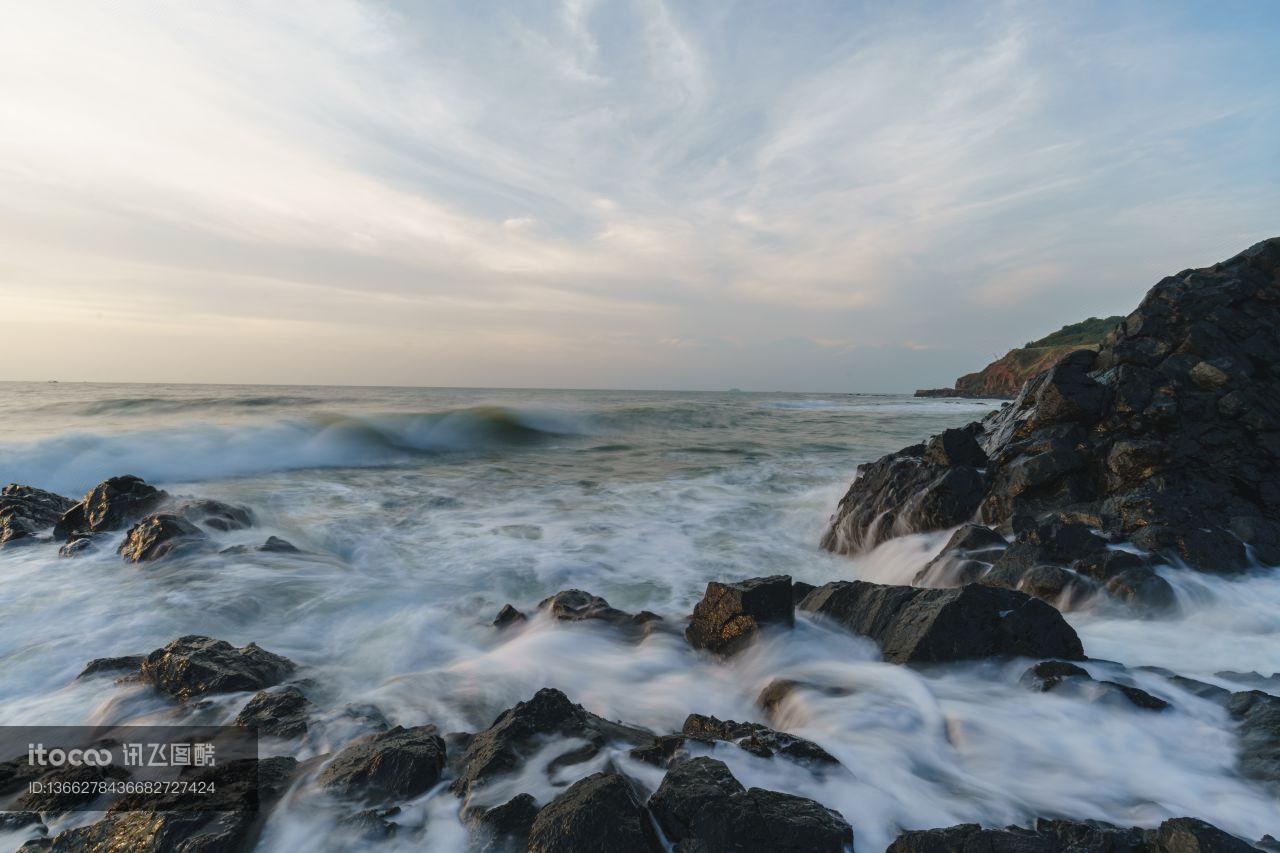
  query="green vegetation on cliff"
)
[{"x": 1090, "y": 331}]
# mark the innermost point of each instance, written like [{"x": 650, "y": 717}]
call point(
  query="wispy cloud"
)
[{"x": 600, "y": 193}]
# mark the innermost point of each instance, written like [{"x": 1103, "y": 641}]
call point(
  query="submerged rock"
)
[
  {"x": 914, "y": 625},
  {"x": 273, "y": 545},
  {"x": 193, "y": 666},
  {"x": 278, "y": 713},
  {"x": 394, "y": 765},
  {"x": 26, "y": 511},
  {"x": 108, "y": 506},
  {"x": 1258, "y": 714},
  {"x": 1180, "y": 835},
  {"x": 757, "y": 739},
  {"x": 161, "y": 535},
  {"x": 598, "y": 813},
  {"x": 214, "y": 515},
  {"x": 574, "y": 605},
  {"x": 1048, "y": 676},
  {"x": 98, "y": 666},
  {"x": 521, "y": 730},
  {"x": 1162, "y": 437},
  {"x": 508, "y": 616},
  {"x": 731, "y": 614},
  {"x": 701, "y": 807},
  {"x": 76, "y": 547},
  {"x": 967, "y": 556}
]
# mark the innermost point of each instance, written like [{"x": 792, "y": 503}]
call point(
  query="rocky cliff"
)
[
  {"x": 1004, "y": 377},
  {"x": 1165, "y": 442}
]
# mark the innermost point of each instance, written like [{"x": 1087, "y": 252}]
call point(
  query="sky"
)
[{"x": 637, "y": 194}]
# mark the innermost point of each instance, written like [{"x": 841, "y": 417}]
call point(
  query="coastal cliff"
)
[{"x": 1004, "y": 377}]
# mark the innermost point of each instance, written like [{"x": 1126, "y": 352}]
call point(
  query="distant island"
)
[{"x": 1003, "y": 377}]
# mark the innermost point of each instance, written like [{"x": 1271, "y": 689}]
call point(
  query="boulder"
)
[
  {"x": 126, "y": 663},
  {"x": 1051, "y": 675},
  {"x": 26, "y": 511},
  {"x": 77, "y": 547},
  {"x": 1164, "y": 437},
  {"x": 757, "y": 739},
  {"x": 1180, "y": 835},
  {"x": 730, "y": 615},
  {"x": 528, "y": 726},
  {"x": 279, "y": 713},
  {"x": 914, "y": 625},
  {"x": 600, "y": 812},
  {"x": 371, "y": 824},
  {"x": 390, "y": 766},
  {"x": 508, "y": 616},
  {"x": 574, "y": 605},
  {"x": 273, "y": 545},
  {"x": 701, "y": 807},
  {"x": 214, "y": 515},
  {"x": 194, "y": 666},
  {"x": 109, "y": 506},
  {"x": 161, "y": 535},
  {"x": 1258, "y": 715},
  {"x": 504, "y": 828}
]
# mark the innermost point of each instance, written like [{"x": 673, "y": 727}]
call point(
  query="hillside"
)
[{"x": 1003, "y": 377}]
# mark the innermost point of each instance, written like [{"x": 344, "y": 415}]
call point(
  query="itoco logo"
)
[{"x": 37, "y": 755}]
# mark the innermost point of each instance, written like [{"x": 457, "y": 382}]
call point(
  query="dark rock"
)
[
  {"x": 954, "y": 447},
  {"x": 76, "y": 547},
  {"x": 195, "y": 666},
  {"x": 504, "y": 828},
  {"x": 701, "y": 807},
  {"x": 80, "y": 793},
  {"x": 574, "y": 605},
  {"x": 523, "y": 729},
  {"x": 214, "y": 515},
  {"x": 757, "y": 739},
  {"x": 1258, "y": 714},
  {"x": 1188, "y": 835},
  {"x": 97, "y": 666},
  {"x": 1137, "y": 696},
  {"x": 915, "y": 625},
  {"x": 14, "y": 821},
  {"x": 108, "y": 506},
  {"x": 26, "y": 511},
  {"x": 372, "y": 824},
  {"x": 967, "y": 556},
  {"x": 1165, "y": 438},
  {"x": 393, "y": 765},
  {"x": 731, "y": 614},
  {"x": 1048, "y": 674},
  {"x": 598, "y": 813},
  {"x": 278, "y": 713},
  {"x": 507, "y": 616},
  {"x": 799, "y": 589},
  {"x": 1180, "y": 835},
  {"x": 161, "y": 535},
  {"x": 273, "y": 545}
]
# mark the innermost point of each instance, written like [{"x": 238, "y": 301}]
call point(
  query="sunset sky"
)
[{"x": 810, "y": 196}]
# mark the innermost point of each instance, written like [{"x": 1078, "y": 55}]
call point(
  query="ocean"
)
[{"x": 421, "y": 512}]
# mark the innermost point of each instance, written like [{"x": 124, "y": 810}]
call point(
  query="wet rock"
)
[
  {"x": 508, "y": 616},
  {"x": 600, "y": 812},
  {"x": 14, "y": 821},
  {"x": 1046, "y": 675},
  {"x": 394, "y": 765},
  {"x": 161, "y": 535},
  {"x": 967, "y": 556},
  {"x": 504, "y": 828},
  {"x": 1258, "y": 715},
  {"x": 574, "y": 605},
  {"x": 914, "y": 625},
  {"x": 278, "y": 713},
  {"x": 701, "y": 807},
  {"x": 273, "y": 545},
  {"x": 1163, "y": 438},
  {"x": 1189, "y": 835},
  {"x": 1050, "y": 675},
  {"x": 26, "y": 511},
  {"x": 731, "y": 614},
  {"x": 372, "y": 824},
  {"x": 1180, "y": 835},
  {"x": 76, "y": 547},
  {"x": 109, "y": 506},
  {"x": 757, "y": 739},
  {"x": 77, "y": 782},
  {"x": 214, "y": 515},
  {"x": 98, "y": 666},
  {"x": 195, "y": 666},
  {"x": 1144, "y": 590},
  {"x": 523, "y": 729}
]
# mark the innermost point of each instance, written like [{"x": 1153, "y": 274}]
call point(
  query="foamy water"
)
[{"x": 425, "y": 511}]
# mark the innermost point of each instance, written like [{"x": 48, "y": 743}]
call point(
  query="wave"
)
[
  {"x": 167, "y": 405},
  {"x": 72, "y": 463}
]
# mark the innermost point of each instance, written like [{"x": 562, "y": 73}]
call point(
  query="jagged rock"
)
[
  {"x": 108, "y": 506},
  {"x": 97, "y": 666},
  {"x": 923, "y": 487},
  {"x": 1180, "y": 835},
  {"x": 76, "y": 547},
  {"x": 967, "y": 556},
  {"x": 161, "y": 535},
  {"x": 214, "y": 515},
  {"x": 522, "y": 729},
  {"x": 914, "y": 625},
  {"x": 279, "y": 713},
  {"x": 1049, "y": 675},
  {"x": 1164, "y": 438},
  {"x": 195, "y": 666},
  {"x": 757, "y": 739},
  {"x": 598, "y": 813},
  {"x": 574, "y": 605},
  {"x": 504, "y": 828},
  {"x": 25, "y": 511},
  {"x": 508, "y": 616},
  {"x": 393, "y": 765},
  {"x": 701, "y": 807},
  {"x": 731, "y": 614},
  {"x": 1259, "y": 716}
]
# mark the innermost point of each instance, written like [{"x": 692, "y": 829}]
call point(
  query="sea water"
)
[{"x": 422, "y": 511}]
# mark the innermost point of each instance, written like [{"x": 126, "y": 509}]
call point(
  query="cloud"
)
[{"x": 531, "y": 182}]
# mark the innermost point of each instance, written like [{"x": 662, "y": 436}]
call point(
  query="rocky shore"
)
[{"x": 1159, "y": 449}]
